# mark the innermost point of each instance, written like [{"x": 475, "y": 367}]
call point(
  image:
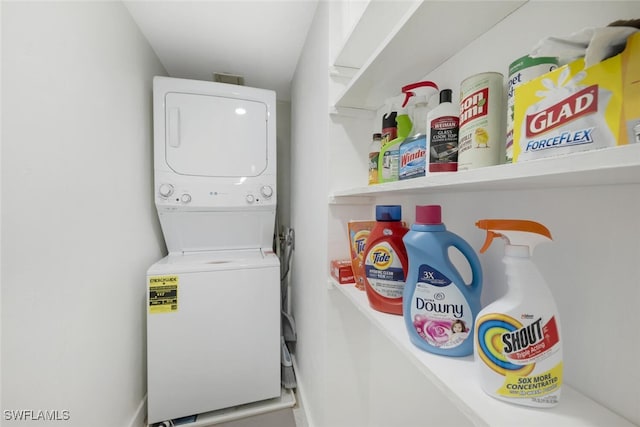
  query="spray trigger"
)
[
  {"x": 487, "y": 242},
  {"x": 516, "y": 232},
  {"x": 414, "y": 88}
]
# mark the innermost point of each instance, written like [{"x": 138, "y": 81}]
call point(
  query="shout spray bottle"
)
[{"x": 517, "y": 339}]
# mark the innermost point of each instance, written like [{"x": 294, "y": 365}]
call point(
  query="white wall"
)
[
  {"x": 309, "y": 132},
  {"x": 79, "y": 228},
  {"x": 1, "y": 38},
  {"x": 283, "y": 132}
]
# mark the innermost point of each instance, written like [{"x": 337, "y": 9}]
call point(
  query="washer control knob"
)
[
  {"x": 165, "y": 190},
  {"x": 185, "y": 198},
  {"x": 266, "y": 191},
  {"x": 250, "y": 198}
]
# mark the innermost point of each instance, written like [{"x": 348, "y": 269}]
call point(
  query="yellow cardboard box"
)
[{"x": 576, "y": 109}]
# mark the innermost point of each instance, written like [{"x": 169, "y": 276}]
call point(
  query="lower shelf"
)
[{"x": 456, "y": 377}]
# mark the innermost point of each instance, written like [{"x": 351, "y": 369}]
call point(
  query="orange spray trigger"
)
[
  {"x": 488, "y": 240},
  {"x": 516, "y": 232}
]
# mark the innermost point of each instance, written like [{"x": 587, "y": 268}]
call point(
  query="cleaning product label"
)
[
  {"x": 567, "y": 116},
  {"x": 480, "y": 134},
  {"x": 441, "y": 315},
  {"x": 540, "y": 387},
  {"x": 384, "y": 271},
  {"x": 389, "y": 170},
  {"x": 163, "y": 294},
  {"x": 373, "y": 167},
  {"x": 358, "y": 234},
  {"x": 413, "y": 157},
  {"x": 443, "y": 144},
  {"x": 520, "y": 353}
]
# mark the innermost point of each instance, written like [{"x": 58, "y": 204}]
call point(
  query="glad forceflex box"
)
[{"x": 574, "y": 108}]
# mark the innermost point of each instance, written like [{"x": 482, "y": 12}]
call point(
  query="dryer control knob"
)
[
  {"x": 250, "y": 198},
  {"x": 165, "y": 190},
  {"x": 185, "y": 198},
  {"x": 266, "y": 191}
]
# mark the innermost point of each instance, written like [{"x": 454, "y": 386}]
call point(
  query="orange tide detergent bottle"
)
[{"x": 386, "y": 260}]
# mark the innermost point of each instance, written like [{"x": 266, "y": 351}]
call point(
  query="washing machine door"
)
[{"x": 215, "y": 136}]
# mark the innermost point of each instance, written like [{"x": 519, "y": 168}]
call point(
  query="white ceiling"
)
[{"x": 260, "y": 40}]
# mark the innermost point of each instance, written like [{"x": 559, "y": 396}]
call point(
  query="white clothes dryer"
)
[
  {"x": 213, "y": 303},
  {"x": 214, "y": 164}
]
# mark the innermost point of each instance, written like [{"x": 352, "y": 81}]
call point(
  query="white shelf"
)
[
  {"x": 413, "y": 47},
  {"x": 609, "y": 166},
  {"x": 370, "y": 30},
  {"x": 456, "y": 377}
]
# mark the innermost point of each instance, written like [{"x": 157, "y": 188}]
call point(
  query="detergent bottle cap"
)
[
  {"x": 388, "y": 212},
  {"x": 445, "y": 95},
  {"x": 521, "y": 235},
  {"x": 429, "y": 215},
  {"x": 389, "y": 120}
]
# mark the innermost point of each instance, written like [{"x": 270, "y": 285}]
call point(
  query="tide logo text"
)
[{"x": 381, "y": 258}]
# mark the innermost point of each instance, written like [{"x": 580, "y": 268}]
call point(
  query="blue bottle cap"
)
[{"x": 388, "y": 212}]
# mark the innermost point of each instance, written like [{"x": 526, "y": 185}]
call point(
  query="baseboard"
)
[
  {"x": 138, "y": 419},
  {"x": 301, "y": 393}
]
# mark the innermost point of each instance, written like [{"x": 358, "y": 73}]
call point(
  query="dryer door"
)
[{"x": 215, "y": 136}]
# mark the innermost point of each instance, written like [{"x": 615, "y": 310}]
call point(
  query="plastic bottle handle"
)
[{"x": 471, "y": 257}]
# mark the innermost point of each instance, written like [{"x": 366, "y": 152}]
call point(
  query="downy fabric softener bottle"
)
[{"x": 439, "y": 307}]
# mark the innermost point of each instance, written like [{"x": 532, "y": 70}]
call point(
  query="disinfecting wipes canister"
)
[
  {"x": 522, "y": 70},
  {"x": 481, "y": 135}
]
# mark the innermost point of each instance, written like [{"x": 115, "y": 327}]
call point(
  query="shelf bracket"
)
[
  {"x": 350, "y": 200},
  {"x": 343, "y": 72},
  {"x": 357, "y": 113}
]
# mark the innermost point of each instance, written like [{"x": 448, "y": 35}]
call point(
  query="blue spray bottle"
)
[{"x": 439, "y": 308}]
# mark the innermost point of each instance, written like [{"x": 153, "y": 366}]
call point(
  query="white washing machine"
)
[{"x": 213, "y": 304}]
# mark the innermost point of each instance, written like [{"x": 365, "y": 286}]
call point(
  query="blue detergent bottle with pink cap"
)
[{"x": 439, "y": 308}]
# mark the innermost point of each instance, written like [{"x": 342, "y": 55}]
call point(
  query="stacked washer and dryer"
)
[{"x": 213, "y": 304}]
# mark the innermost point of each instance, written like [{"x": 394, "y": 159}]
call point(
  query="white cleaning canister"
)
[
  {"x": 481, "y": 137},
  {"x": 517, "y": 341}
]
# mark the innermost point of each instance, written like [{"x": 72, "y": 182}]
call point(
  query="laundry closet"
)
[{"x": 80, "y": 225}]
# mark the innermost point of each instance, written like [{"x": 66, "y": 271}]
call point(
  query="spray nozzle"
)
[
  {"x": 425, "y": 88},
  {"x": 393, "y": 103},
  {"x": 517, "y": 232}
]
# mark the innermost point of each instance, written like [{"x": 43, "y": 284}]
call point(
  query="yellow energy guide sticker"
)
[{"x": 163, "y": 294}]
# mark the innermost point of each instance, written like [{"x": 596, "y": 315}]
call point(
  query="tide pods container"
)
[{"x": 481, "y": 137}]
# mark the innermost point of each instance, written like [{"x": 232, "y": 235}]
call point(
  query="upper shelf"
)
[
  {"x": 403, "y": 56},
  {"x": 373, "y": 25},
  {"x": 615, "y": 165}
]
